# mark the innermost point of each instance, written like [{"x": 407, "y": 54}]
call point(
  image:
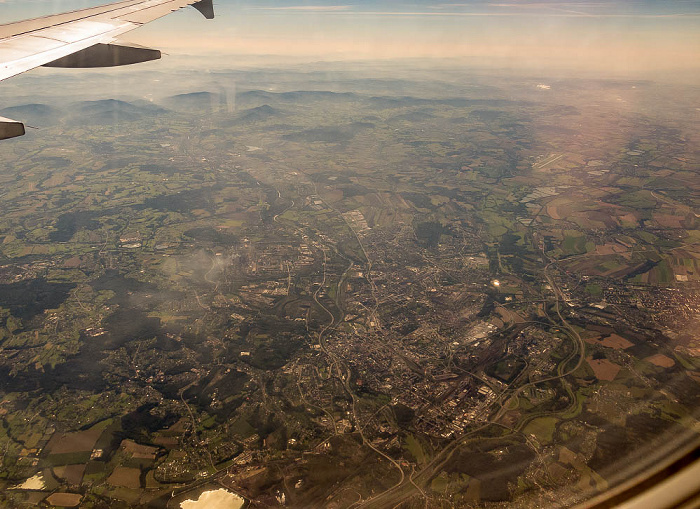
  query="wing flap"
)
[
  {"x": 31, "y": 25},
  {"x": 75, "y": 32},
  {"x": 21, "y": 47}
]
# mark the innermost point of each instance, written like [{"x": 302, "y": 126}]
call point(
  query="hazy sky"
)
[{"x": 611, "y": 36}]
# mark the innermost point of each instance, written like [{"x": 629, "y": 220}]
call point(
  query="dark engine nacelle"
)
[{"x": 10, "y": 128}]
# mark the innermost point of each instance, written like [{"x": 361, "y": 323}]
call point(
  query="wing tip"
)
[{"x": 206, "y": 7}]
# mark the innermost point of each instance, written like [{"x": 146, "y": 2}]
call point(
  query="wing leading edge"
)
[{"x": 83, "y": 38}]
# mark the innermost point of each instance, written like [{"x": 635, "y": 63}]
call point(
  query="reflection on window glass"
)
[{"x": 347, "y": 255}]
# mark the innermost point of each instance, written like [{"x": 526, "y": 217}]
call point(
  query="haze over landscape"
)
[
  {"x": 354, "y": 255},
  {"x": 606, "y": 37}
]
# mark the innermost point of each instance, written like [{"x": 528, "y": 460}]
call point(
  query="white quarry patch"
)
[
  {"x": 214, "y": 499},
  {"x": 33, "y": 483}
]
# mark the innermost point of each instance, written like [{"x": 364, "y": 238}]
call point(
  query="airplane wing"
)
[{"x": 83, "y": 38}]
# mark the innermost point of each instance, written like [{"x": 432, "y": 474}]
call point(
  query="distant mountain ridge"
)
[
  {"x": 25, "y": 109},
  {"x": 259, "y": 114},
  {"x": 34, "y": 113},
  {"x": 110, "y": 111}
]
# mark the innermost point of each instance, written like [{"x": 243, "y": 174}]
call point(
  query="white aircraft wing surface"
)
[{"x": 80, "y": 39}]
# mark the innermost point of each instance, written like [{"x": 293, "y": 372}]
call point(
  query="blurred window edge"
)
[{"x": 673, "y": 483}]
